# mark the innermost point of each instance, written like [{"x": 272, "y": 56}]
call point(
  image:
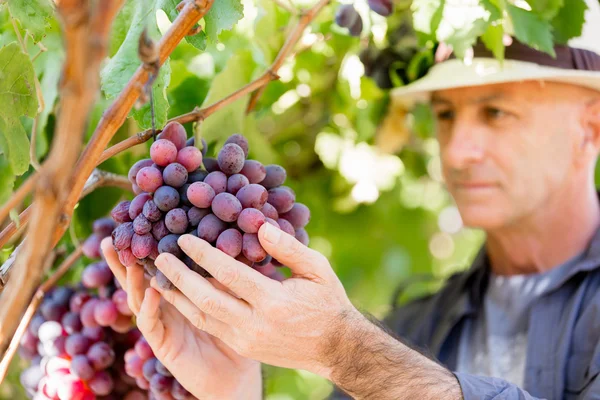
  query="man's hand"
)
[{"x": 203, "y": 364}]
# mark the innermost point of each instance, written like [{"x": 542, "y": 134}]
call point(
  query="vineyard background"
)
[{"x": 368, "y": 170}]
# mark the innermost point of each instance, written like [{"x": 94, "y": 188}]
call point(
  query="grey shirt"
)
[{"x": 494, "y": 343}]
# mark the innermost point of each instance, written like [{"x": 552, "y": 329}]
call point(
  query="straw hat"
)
[{"x": 577, "y": 62}]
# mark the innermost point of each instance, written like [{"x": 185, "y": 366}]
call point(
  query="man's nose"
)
[{"x": 465, "y": 146}]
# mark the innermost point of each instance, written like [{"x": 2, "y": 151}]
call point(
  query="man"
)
[{"x": 519, "y": 147}]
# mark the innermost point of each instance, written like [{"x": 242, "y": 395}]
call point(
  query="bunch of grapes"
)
[
  {"x": 150, "y": 374},
  {"x": 77, "y": 340},
  {"x": 222, "y": 200},
  {"x": 346, "y": 15}
]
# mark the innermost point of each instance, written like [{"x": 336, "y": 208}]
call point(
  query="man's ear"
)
[{"x": 591, "y": 126}]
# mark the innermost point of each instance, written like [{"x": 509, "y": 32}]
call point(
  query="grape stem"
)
[{"x": 34, "y": 305}]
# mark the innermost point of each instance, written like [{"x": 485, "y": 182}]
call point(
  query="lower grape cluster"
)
[{"x": 223, "y": 200}]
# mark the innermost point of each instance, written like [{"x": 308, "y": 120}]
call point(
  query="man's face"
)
[{"x": 506, "y": 148}]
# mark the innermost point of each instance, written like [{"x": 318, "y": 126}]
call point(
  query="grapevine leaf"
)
[
  {"x": 492, "y": 38},
  {"x": 531, "y": 29},
  {"x": 547, "y": 9},
  {"x": 34, "y": 15},
  {"x": 52, "y": 67},
  {"x": 461, "y": 39},
  {"x": 427, "y": 16},
  {"x": 18, "y": 98},
  {"x": 170, "y": 8},
  {"x": 7, "y": 180},
  {"x": 121, "y": 25},
  {"x": 568, "y": 23},
  {"x": 223, "y": 15}
]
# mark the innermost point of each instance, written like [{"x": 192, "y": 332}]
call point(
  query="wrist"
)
[{"x": 247, "y": 383}]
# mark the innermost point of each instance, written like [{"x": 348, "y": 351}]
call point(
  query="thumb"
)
[{"x": 286, "y": 249}]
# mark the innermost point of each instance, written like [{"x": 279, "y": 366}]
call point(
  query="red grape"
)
[
  {"x": 217, "y": 180},
  {"x": 135, "y": 168},
  {"x": 122, "y": 235},
  {"x": 235, "y": 182},
  {"x": 106, "y": 312},
  {"x": 120, "y": 213},
  {"x": 253, "y": 195},
  {"x": 87, "y": 314},
  {"x": 91, "y": 246},
  {"x": 77, "y": 301},
  {"x": 299, "y": 215},
  {"x": 127, "y": 258},
  {"x": 210, "y": 164},
  {"x": 149, "y": 179},
  {"x": 159, "y": 230},
  {"x": 163, "y": 152},
  {"x": 190, "y": 157},
  {"x": 201, "y": 194},
  {"x": 163, "y": 282},
  {"x": 252, "y": 249},
  {"x": 197, "y": 176},
  {"x": 101, "y": 384},
  {"x": 240, "y": 140},
  {"x": 282, "y": 199},
  {"x": 269, "y": 211},
  {"x": 96, "y": 275},
  {"x": 141, "y": 225},
  {"x": 137, "y": 205},
  {"x": 101, "y": 355},
  {"x": 210, "y": 227},
  {"x": 230, "y": 242},
  {"x": 119, "y": 297},
  {"x": 103, "y": 227},
  {"x": 77, "y": 344},
  {"x": 166, "y": 198},
  {"x": 160, "y": 383},
  {"x": 254, "y": 171},
  {"x": 151, "y": 211},
  {"x": 175, "y": 133},
  {"x": 196, "y": 214},
  {"x": 381, "y": 7},
  {"x": 275, "y": 176},
  {"x": 141, "y": 245},
  {"x": 71, "y": 322},
  {"x": 175, "y": 175},
  {"x": 285, "y": 226},
  {"x": 250, "y": 220},
  {"x": 53, "y": 311},
  {"x": 226, "y": 206},
  {"x": 143, "y": 349},
  {"x": 168, "y": 244},
  {"x": 176, "y": 220},
  {"x": 231, "y": 159}
]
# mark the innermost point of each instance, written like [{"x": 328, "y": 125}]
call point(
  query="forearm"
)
[{"x": 366, "y": 362}]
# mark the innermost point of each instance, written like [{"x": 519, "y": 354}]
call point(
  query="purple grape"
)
[
  {"x": 299, "y": 215},
  {"x": 120, "y": 213},
  {"x": 235, "y": 182},
  {"x": 240, "y": 141},
  {"x": 136, "y": 189},
  {"x": 275, "y": 176},
  {"x": 272, "y": 222},
  {"x": 201, "y": 194},
  {"x": 252, "y": 196},
  {"x": 183, "y": 197},
  {"x": 94, "y": 333},
  {"x": 196, "y": 214},
  {"x": 28, "y": 341},
  {"x": 163, "y": 152},
  {"x": 141, "y": 225},
  {"x": 252, "y": 249},
  {"x": 87, "y": 314},
  {"x": 143, "y": 349},
  {"x": 96, "y": 275},
  {"x": 168, "y": 244},
  {"x": 286, "y": 226},
  {"x": 226, "y": 206},
  {"x": 347, "y": 17},
  {"x": 160, "y": 383},
  {"x": 71, "y": 322},
  {"x": 197, "y": 176},
  {"x": 211, "y": 164},
  {"x": 135, "y": 168},
  {"x": 119, "y": 297},
  {"x": 176, "y": 220},
  {"x": 127, "y": 258},
  {"x": 302, "y": 236},
  {"x": 101, "y": 356},
  {"x": 34, "y": 325},
  {"x": 137, "y": 205},
  {"x": 250, "y": 220},
  {"x": 141, "y": 245},
  {"x": 175, "y": 133},
  {"x": 175, "y": 175},
  {"x": 91, "y": 246},
  {"x": 149, "y": 368},
  {"x": 77, "y": 344},
  {"x": 151, "y": 211},
  {"x": 210, "y": 227},
  {"x": 77, "y": 301},
  {"x": 81, "y": 367},
  {"x": 269, "y": 211},
  {"x": 381, "y": 7},
  {"x": 166, "y": 198},
  {"x": 190, "y": 157},
  {"x": 103, "y": 227},
  {"x": 254, "y": 171},
  {"x": 163, "y": 282},
  {"x": 101, "y": 384},
  {"x": 231, "y": 159},
  {"x": 178, "y": 391},
  {"x": 122, "y": 235},
  {"x": 52, "y": 310},
  {"x": 106, "y": 312},
  {"x": 192, "y": 142},
  {"x": 264, "y": 262},
  {"x": 282, "y": 199},
  {"x": 217, "y": 180},
  {"x": 149, "y": 179},
  {"x": 230, "y": 242},
  {"x": 161, "y": 369},
  {"x": 159, "y": 230}
]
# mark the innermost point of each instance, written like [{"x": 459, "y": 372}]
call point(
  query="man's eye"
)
[
  {"x": 445, "y": 115},
  {"x": 494, "y": 113}
]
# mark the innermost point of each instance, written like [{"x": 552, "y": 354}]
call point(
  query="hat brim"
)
[{"x": 486, "y": 71}]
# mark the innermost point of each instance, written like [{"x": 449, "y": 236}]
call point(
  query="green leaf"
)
[
  {"x": 7, "y": 180},
  {"x": 427, "y": 15},
  {"x": 170, "y": 8},
  {"x": 18, "y": 98},
  {"x": 492, "y": 38},
  {"x": 531, "y": 29},
  {"x": 465, "y": 37},
  {"x": 223, "y": 15},
  {"x": 49, "y": 85},
  {"x": 121, "y": 67},
  {"x": 34, "y": 15},
  {"x": 121, "y": 25},
  {"x": 230, "y": 119},
  {"x": 547, "y": 9},
  {"x": 568, "y": 23}
]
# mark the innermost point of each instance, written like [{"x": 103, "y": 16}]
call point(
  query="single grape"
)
[
  {"x": 91, "y": 246},
  {"x": 252, "y": 249},
  {"x": 161, "y": 369},
  {"x": 94, "y": 333},
  {"x": 87, "y": 314},
  {"x": 176, "y": 220},
  {"x": 201, "y": 194},
  {"x": 190, "y": 157},
  {"x": 29, "y": 341},
  {"x": 96, "y": 275},
  {"x": 166, "y": 198},
  {"x": 159, "y": 230},
  {"x": 254, "y": 171},
  {"x": 151, "y": 211},
  {"x": 149, "y": 368},
  {"x": 302, "y": 236},
  {"x": 31, "y": 377},
  {"x": 231, "y": 159},
  {"x": 52, "y": 310},
  {"x": 381, "y": 7},
  {"x": 272, "y": 222},
  {"x": 141, "y": 245},
  {"x": 141, "y": 225},
  {"x": 264, "y": 262},
  {"x": 175, "y": 133},
  {"x": 347, "y": 17},
  {"x": 168, "y": 244},
  {"x": 235, "y": 182},
  {"x": 197, "y": 176},
  {"x": 81, "y": 367},
  {"x": 163, "y": 282},
  {"x": 77, "y": 301},
  {"x": 101, "y": 355},
  {"x": 196, "y": 214},
  {"x": 299, "y": 215},
  {"x": 179, "y": 392},
  {"x": 103, "y": 227},
  {"x": 252, "y": 196},
  {"x": 217, "y": 180},
  {"x": 275, "y": 176},
  {"x": 106, "y": 312},
  {"x": 160, "y": 383},
  {"x": 136, "y": 189},
  {"x": 183, "y": 197},
  {"x": 226, "y": 206},
  {"x": 101, "y": 384},
  {"x": 286, "y": 226},
  {"x": 135, "y": 168},
  {"x": 269, "y": 211},
  {"x": 122, "y": 235},
  {"x": 211, "y": 164},
  {"x": 71, "y": 322},
  {"x": 119, "y": 297},
  {"x": 163, "y": 152},
  {"x": 230, "y": 242},
  {"x": 127, "y": 258},
  {"x": 250, "y": 220},
  {"x": 77, "y": 344},
  {"x": 240, "y": 140},
  {"x": 106, "y": 292},
  {"x": 137, "y": 205},
  {"x": 175, "y": 175},
  {"x": 210, "y": 227},
  {"x": 143, "y": 349},
  {"x": 50, "y": 331},
  {"x": 149, "y": 179},
  {"x": 282, "y": 199},
  {"x": 120, "y": 213}
]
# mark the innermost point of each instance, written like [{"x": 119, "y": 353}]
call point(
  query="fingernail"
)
[
  {"x": 161, "y": 260},
  {"x": 272, "y": 234},
  {"x": 184, "y": 241}
]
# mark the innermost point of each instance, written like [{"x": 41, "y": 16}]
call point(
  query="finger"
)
[
  {"x": 136, "y": 285},
  {"x": 148, "y": 320},
  {"x": 196, "y": 317},
  {"x": 112, "y": 259},
  {"x": 201, "y": 293},
  {"x": 302, "y": 260},
  {"x": 246, "y": 282}
]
